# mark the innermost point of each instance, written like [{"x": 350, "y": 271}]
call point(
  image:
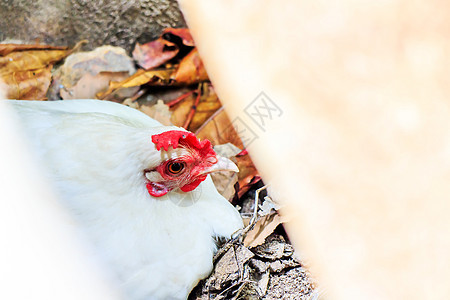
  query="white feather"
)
[{"x": 95, "y": 153}]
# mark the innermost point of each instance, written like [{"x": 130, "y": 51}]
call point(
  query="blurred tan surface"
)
[{"x": 361, "y": 151}]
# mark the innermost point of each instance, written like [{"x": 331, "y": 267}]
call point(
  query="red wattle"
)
[
  {"x": 156, "y": 190},
  {"x": 191, "y": 186}
]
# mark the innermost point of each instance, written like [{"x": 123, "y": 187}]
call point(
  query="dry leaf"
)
[
  {"x": 205, "y": 108},
  {"x": 153, "y": 77},
  {"x": 155, "y": 53},
  {"x": 262, "y": 229},
  {"x": 27, "y": 74},
  {"x": 190, "y": 70},
  {"x": 209, "y": 103},
  {"x": 29, "y": 60},
  {"x": 85, "y": 74},
  {"x": 181, "y": 110},
  {"x": 8, "y": 48},
  {"x": 26, "y": 69},
  {"x": 29, "y": 84},
  {"x": 219, "y": 130}
]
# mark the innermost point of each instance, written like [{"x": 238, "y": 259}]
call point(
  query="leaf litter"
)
[{"x": 172, "y": 86}]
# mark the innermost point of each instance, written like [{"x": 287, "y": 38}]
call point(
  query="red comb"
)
[{"x": 174, "y": 137}]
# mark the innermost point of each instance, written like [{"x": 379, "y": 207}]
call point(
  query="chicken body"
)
[{"x": 95, "y": 153}]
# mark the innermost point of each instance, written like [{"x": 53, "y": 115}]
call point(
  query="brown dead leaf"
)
[
  {"x": 262, "y": 229},
  {"x": 155, "y": 53},
  {"x": 159, "y": 77},
  {"x": 26, "y": 70},
  {"x": 190, "y": 70},
  {"x": 207, "y": 105},
  {"x": 8, "y": 48},
  {"x": 29, "y": 60},
  {"x": 219, "y": 130},
  {"x": 152, "y": 77},
  {"x": 28, "y": 84},
  {"x": 181, "y": 110},
  {"x": 191, "y": 114}
]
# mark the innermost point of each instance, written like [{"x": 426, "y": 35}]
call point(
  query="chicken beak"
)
[{"x": 223, "y": 164}]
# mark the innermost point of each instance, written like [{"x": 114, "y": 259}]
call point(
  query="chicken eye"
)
[{"x": 175, "y": 167}]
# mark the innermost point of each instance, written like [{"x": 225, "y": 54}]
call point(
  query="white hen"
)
[{"x": 140, "y": 191}]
